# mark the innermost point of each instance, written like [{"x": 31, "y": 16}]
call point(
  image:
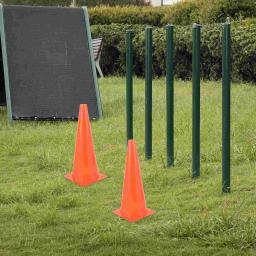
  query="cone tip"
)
[
  {"x": 83, "y": 111},
  {"x": 131, "y": 142},
  {"x": 131, "y": 147},
  {"x": 83, "y": 106}
]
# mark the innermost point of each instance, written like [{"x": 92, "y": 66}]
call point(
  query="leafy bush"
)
[
  {"x": 38, "y": 2},
  {"x": 110, "y": 2},
  {"x": 127, "y": 15},
  {"x": 244, "y": 48},
  {"x": 68, "y": 2},
  {"x": 113, "y": 45},
  {"x": 218, "y": 10},
  {"x": 182, "y": 13}
]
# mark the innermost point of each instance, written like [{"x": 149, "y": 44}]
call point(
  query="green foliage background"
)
[
  {"x": 111, "y": 22},
  {"x": 183, "y": 13},
  {"x": 243, "y": 44},
  {"x": 68, "y": 2},
  {"x": 38, "y": 2},
  {"x": 127, "y": 15},
  {"x": 111, "y": 2}
]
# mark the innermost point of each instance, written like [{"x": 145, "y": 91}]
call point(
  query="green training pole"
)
[
  {"x": 226, "y": 82},
  {"x": 148, "y": 94},
  {"x": 196, "y": 102},
  {"x": 170, "y": 95},
  {"x": 129, "y": 84}
]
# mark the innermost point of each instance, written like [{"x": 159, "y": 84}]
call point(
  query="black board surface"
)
[{"x": 50, "y": 68}]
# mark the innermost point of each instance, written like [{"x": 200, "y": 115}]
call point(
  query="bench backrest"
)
[{"x": 97, "y": 47}]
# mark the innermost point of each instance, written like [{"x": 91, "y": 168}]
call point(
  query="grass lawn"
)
[{"x": 41, "y": 213}]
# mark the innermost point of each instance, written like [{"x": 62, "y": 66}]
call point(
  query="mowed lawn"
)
[{"x": 41, "y": 213}]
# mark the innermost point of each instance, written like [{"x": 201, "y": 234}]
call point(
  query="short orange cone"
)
[
  {"x": 133, "y": 205},
  {"x": 85, "y": 169}
]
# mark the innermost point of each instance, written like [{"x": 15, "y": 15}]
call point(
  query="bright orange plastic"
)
[
  {"x": 85, "y": 169},
  {"x": 133, "y": 205}
]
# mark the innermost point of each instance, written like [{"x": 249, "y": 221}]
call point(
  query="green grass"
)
[{"x": 41, "y": 213}]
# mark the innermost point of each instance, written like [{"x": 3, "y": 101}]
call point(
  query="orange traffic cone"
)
[
  {"x": 85, "y": 168},
  {"x": 133, "y": 205}
]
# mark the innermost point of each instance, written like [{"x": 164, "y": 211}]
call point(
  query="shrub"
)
[
  {"x": 110, "y": 2},
  {"x": 182, "y": 13},
  {"x": 218, "y": 10},
  {"x": 244, "y": 48},
  {"x": 38, "y": 2},
  {"x": 113, "y": 35},
  {"x": 127, "y": 15},
  {"x": 68, "y": 2}
]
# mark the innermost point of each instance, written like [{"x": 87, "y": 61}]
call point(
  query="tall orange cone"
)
[
  {"x": 133, "y": 205},
  {"x": 85, "y": 169}
]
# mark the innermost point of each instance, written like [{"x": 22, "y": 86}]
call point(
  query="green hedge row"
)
[
  {"x": 127, "y": 15},
  {"x": 218, "y": 10},
  {"x": 38, "y": 2},
  {"x": 182, "y": 13},
  {"x": 243, "y": 47},
  {"x": 112, "y": 2},
  {"x": 68, "y": 2}
]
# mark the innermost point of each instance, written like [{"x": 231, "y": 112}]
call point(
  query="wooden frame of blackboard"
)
[{"x": 92, "y": 62}]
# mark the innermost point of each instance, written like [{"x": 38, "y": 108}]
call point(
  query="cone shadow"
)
[
  {"x": 119, "y": 213},
  {"x": 69, "y": 177}
]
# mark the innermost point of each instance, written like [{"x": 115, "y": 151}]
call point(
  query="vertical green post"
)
[
  {"x": 129, "y": 84},
  {"x": 170, "y": 95},
  {"x": 196, "y": 102},
  {"x": 148, "y": 94},
  {"x": 226, "y": 88}
]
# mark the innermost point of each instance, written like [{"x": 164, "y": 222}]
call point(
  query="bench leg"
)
[{"x": 99, "y": 69}]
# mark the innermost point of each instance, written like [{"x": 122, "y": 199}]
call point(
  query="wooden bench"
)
[{"x": 97, "y": 48}]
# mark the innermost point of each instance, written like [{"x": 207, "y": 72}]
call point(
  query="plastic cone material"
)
[
  {"x": 85, "y": 169},
  {"x": 133, "y": 205}
]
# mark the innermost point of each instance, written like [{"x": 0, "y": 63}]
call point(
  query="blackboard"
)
[{"x": 48, "y": 64}]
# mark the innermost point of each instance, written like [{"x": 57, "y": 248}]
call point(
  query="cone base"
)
[
  {"x": 69, "y": 176},
  {"x": 148, "y": 212}
]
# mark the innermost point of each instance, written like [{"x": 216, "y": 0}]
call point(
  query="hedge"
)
[
  {"x": 68, "y": 2},
  {"x": 182, "y": 13},
  {"x": 111, "y": 2},
  {"x": 127, "y": 15},
  {"x": 243, "y": 44},
  {"x": 38, "y": 2},
  {"x": 218, "y": 10}
]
